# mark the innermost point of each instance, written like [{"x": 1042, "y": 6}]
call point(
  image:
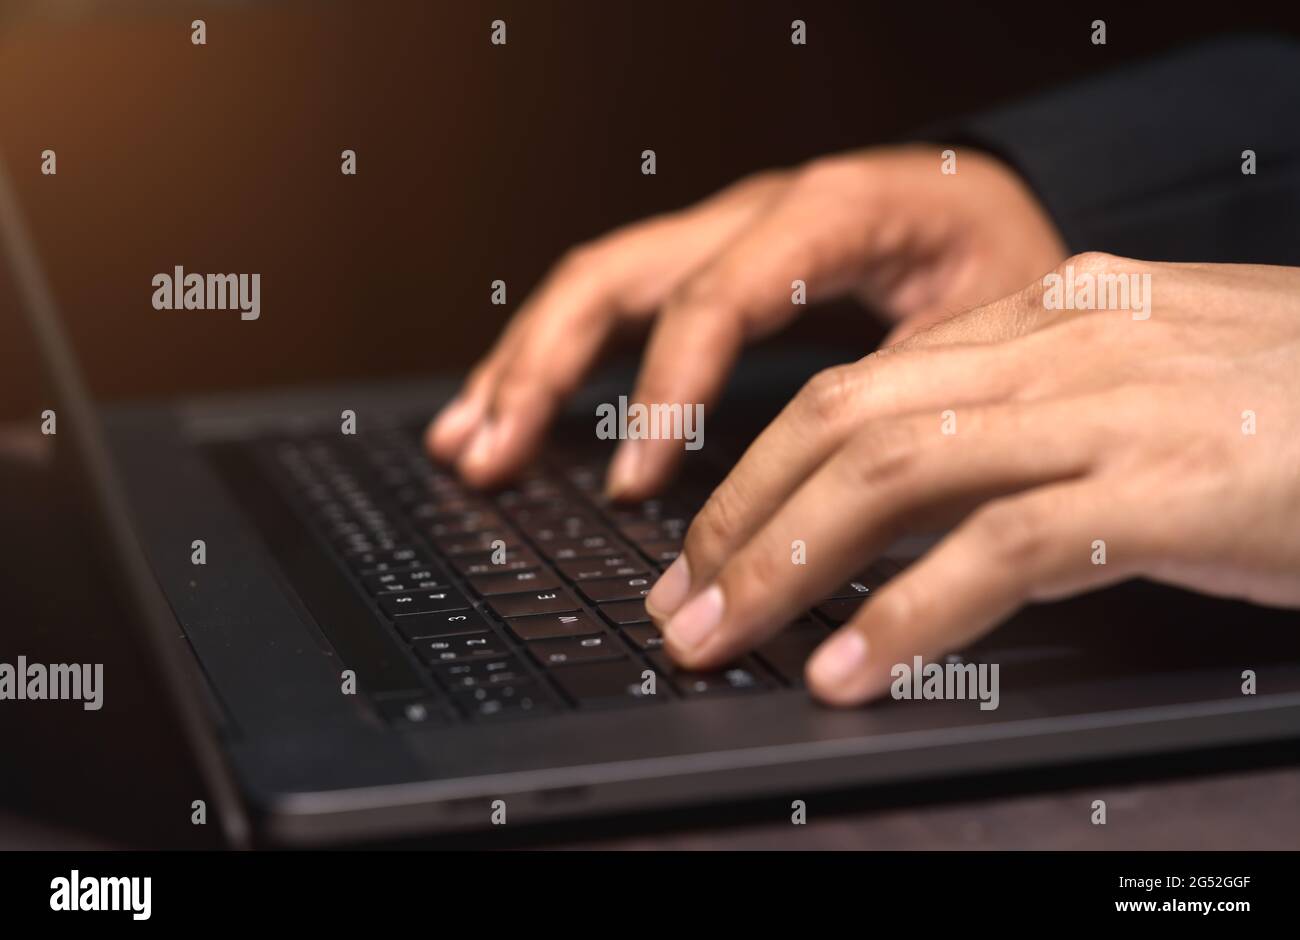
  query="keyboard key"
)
[
  {"x": 548, "y": 626},
  {"x": 479, "y": 542},
  {"x": 566, "y": 542},
  {"x": 840, "y": 611},
  {"x": 624, "y": 612},
  {"x": 450, "y": 649},
  {"x": 471, "y": 673},
  {"x": 548, "y": 534},
  {"x": 616, "y": 589},
  {"x": 886, "y": 567},
  {"x": 535, "y": 492},
  {"x": 364, "y": 544},
  {"x": 514, "y": 582},
  {"x": 662, "y": 552},
  {"x": 621, "y": 682},
  {"x": 541, "y": 602},
  {"x": 555, "y": 515},
  {"x": 587, "y": 478},
  {"x": 584, "y": 569},
  {"x": 416, "y": 579},
  {"x": 733, "y": 679},
  {"x": 441, "y": 507},
  {"x": 857, "y": 588},
  {"x": 462, "y": 523},
  {"x": 787, "y": 653},
  {"x": 367, "y": 562},
  {"x": 416, "y": 711},
  {"x": 515, "y": 698},
  {"x": 590, "y": 546},
  {"x": 744, "y": 675},
  {"x": 423, "y": 602},
  {"x": 650, "y": 509},
  {"x": 452, "y": 623},
  {"x": 642, "y": 531},
  {"x": 477, "y": 563},
  {"x": 341, "y": 531},
  {"x": 578, "y": 650},
  {"x": 646, "y": 636},
  {"x": 870, "y": 580},
  {"x": 522, "y": 508}
]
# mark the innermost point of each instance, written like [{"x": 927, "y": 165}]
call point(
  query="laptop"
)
[{"x": 359, "y": 647}]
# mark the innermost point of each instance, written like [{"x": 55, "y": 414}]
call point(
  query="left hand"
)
[{"x": 1172, "y": 438}]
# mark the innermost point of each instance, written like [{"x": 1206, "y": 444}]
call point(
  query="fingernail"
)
[
  {"x": 696, "y": 620},
  {"x": 453, "y": 419},
  {"x": 480, "y": 448},
  {"x": 670, "y": 590},
  {"x": 839, "y": 659},
  {"x": 449, "y": 409},
  {"x": 623, "y": 468}
]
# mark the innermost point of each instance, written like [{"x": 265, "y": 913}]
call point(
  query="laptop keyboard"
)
[{"x": 522, "y": 602}]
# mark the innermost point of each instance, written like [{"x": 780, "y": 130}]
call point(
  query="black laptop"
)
[{"x": 361, "y": 647}]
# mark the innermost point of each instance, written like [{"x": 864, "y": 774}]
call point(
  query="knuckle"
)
[
  {"x": 516, "y": 391},
  {"x": 753, "y": 573},
  {"x": 836, "y": 182},
  {"x": 483, "y": 376},
  {"x": 1013, "y": 533},
  {"x": 763, "y": 181},
  {"x": 580, "y": 257},
  {"x": 1093, "y": 262},
  {"x": 530, "y": 382},
  {"x": 1095, "y": 328},
  {"x": 896, "y": 611},
  {"x": 1201, "y": 461},
  {"x": 707, "y": 288},
  {"x": 583, "y": 264},
  {"x": 826, "y": 396},
  {"x": 830, "y": 173},
  {"x": 714, "y": 528},
  {"x": 883, "y": 454}
]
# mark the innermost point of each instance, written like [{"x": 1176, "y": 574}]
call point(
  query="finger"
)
[
  {"x": 987, "y": 354},
  {"x": 1000, "y": 321},
  {"x": 451, "y": 429},
  {"x": 1086, "y": 286},
  {"x": 742, "y": 294},
  {"x": 1035, "y": 546},
  {"x": 561, "y": 330},
  {"x": 829, "y": 409},
  {"x": 900, "y": 476},
  {"x": 543, "y": 367}
]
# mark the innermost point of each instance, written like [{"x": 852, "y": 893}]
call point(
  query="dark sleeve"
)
[{"x": 1147, "y": 161}]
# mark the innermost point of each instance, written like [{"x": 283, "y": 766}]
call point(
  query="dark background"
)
[{"x": 475, "y": 162}]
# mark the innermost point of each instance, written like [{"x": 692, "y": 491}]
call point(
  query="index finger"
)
[{"x": 562, "y": 329}]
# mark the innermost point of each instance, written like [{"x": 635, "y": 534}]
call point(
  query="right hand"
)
[{"x": 884, "y": 225}]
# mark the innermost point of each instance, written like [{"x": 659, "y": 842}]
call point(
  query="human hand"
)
[
  {"x": 1169, "y": 441},
  {"x": 885, "y": 225}
]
